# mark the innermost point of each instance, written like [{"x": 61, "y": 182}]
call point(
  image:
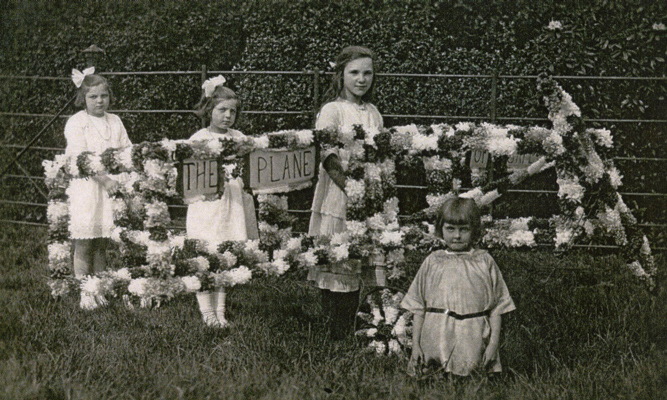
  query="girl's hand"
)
[
  {"x": 489, "y": 356},
  {"x": 416, "y": 359},
  {"x": 111, "y": 186}
]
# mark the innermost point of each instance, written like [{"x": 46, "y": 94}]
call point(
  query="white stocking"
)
[
  {"x": 220, "y": 306},
  {"x": 207, "y": 308}
]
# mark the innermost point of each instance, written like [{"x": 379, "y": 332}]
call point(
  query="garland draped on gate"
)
[{"x": 159, "y": 263}]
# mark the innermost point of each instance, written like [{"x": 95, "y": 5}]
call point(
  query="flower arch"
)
[{"x": 159, "y": 263}]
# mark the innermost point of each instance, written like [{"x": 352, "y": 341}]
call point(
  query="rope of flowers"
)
[{"x": 158, "y": 264}]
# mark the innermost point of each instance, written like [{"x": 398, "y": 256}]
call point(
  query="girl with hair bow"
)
[
  {"x": 91, "y": 213},
  {"x": 232, "y": 217}
]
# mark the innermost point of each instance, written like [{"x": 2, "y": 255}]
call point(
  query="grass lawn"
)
[{"x": 583, "y": 329}]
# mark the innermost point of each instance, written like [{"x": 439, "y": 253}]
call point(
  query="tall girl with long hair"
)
[{"x": 347, "y": 104}]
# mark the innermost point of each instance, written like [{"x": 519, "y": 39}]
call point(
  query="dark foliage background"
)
[{"x": 597, "y": 38}]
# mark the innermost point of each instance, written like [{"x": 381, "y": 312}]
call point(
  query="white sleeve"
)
[
  {"x": 329, "y": 117},
  {"x": 75, "y": 135},
  {"x": 124, "y": 138}
]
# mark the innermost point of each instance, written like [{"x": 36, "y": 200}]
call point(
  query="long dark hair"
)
[{"x": 347, "y": 55}]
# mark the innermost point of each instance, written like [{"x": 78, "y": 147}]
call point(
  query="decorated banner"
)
[
  {"x": 479, "y": 159},
  {"x": 281, "y": 170},
  {"x": 160, "y": 263},
  {"x": 199, "y": 178}
]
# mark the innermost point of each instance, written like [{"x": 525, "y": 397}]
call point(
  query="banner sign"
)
[
  {"x": 197, "y": 178},
  {"x": 279, "y": 170},
  {"x": 479, "y": 160}
]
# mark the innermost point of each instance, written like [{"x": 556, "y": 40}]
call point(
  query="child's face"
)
[
  {"x": 97, "y": 100},
  {"x": 223, "y": 116},
  {"x": 457, "y": 237},
  {"x": 357, "y": 78}
]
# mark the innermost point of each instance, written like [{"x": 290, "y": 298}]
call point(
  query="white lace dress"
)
[
  {"x": 91, "y": 209},
  {"x": 329, "y": 201}
]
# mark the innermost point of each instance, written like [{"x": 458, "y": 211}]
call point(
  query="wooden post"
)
[
  {"x": 316, "y": 93},
  {"x": 492, "y": 116},
  {"x": 204, "y": 74}
]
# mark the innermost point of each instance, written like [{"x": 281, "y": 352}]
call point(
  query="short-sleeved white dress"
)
[
  {"x": 329, "y": 201},
  {"x": 91, "y": 209},
  {"x": 465, "y": 283},
  {"x": 223, "y": 219}
]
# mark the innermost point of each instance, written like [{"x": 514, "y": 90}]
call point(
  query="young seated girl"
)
[
  {"x": 91, "y": 212},
  {"x": 457, "y": 298},
  {"x": 232, "y": 217},
  {"x": 347, "y": 105}
]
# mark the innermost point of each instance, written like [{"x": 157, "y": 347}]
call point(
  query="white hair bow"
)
[
  {"x": 210, "y": 84},
  {"x": 77, "y": 76}
]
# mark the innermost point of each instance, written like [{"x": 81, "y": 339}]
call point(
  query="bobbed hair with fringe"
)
[
  {"x": 347, "y": 55},
  {"x": 459, "y": 211},
  {"x": 205, "y": 107},
  {"x": 90, "y": 81}
]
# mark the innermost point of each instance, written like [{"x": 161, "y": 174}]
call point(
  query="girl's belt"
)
[{"x": 452, "y": 314}]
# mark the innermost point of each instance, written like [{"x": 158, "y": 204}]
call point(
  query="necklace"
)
[{"x": 106, "y": 135}]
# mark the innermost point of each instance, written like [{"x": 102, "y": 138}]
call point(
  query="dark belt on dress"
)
[{"x": 454, "y": 315}]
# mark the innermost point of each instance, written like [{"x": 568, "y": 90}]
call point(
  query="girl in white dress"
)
[
  {"x": 457, "y": 297},
  {"x": 91, "y": 211},
  {"x": 347, "y": 105},
  {"x": 232, "y": 217}
]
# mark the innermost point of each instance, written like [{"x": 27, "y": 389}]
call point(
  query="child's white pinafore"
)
[
  {"x": 223, "y": 219},
  {"x": 465, "y": 283},
  {"x": 329, "y": 201},
  {"x": 91, "y": 209}
]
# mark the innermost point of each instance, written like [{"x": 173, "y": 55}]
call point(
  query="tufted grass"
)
[{"x": 583, "y": 329}]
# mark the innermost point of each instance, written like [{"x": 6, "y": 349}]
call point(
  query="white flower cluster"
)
[
  {"x": 570, "y": 189},
  {"x": 386, "y": 316}
]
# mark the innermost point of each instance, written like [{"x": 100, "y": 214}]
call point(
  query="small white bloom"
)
[
  {"x": 569, "y": 188},
  {"x": 177, "y": 241},
  {"x": 192, "y": 283},
  {"x": 341, "y": 252},
  {"x": 489, "y": 198},
  {"x": 309, "y": 258},
  {"x": 229, "y": 259},
  {"x": 394, "y": 346},
  {"x": 304, "y": 137},
  {"x": 521, "y": 238},
  {"x": 123, "y": 274},
  {"x": 261, "y": 142},
  {"x": 240, "y": 275},
  {"x": 554, "y": 25},
  {"x": 356, "y": 228},
  {"x": 379, "y": 347},
  {"x": 658, "y": 26},
  {"x": 563, "y": 236},
  {"x": 279, "y": 266},
  {"x": 411, "y": 130},
  {"x": 202, "y": 263},
  {"x": 463, "y": 126},
  {"x": 394, "y": 238},
  {"x": 475, "y": 194},
  {"x": 138, "y": 286},
  {"x": 293, "y": 244},
  {"x": 615, "y": 177}
]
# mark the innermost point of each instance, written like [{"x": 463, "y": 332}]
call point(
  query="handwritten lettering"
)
[{"x": 276, "y": 168}]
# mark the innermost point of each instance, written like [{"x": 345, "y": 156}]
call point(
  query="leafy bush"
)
[{"x": 600, "y": 37}]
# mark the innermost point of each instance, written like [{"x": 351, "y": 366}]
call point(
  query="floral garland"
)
[
  {"x": 159, "y": 264},
  {"x": 386, "y": 327}
]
